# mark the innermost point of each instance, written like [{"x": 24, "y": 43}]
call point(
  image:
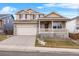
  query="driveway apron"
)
[{"x": 26, "y": 40}]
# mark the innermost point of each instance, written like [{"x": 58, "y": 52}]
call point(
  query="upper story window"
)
[
  {"x": 41, "y": 15},
  {"x": 33, "y": 16},
  {"x": 25, "y": 16},
  {"x": 20, "y": 16}
]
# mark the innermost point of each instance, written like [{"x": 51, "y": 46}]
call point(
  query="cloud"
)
[
  {"x": 72, "y": 6},
  {"x": 7, "y": 10},
  {"x": 62, "y": 5},
  {"x": 50, "y": 4},
  {"x": 39, "y": 7}
]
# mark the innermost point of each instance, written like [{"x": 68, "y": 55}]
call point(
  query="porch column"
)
[
  {"x": 39, "y": 26},
  {"x": 52, "y": 26}
]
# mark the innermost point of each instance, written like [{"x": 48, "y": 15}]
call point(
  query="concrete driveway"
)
[{"x": 28, "y": 41}]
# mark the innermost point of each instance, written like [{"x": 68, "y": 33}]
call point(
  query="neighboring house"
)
[
  {"x": 73, "y": 25},
  {"x": 6, "y": 23},
  {"x": 30, "y": 22}
]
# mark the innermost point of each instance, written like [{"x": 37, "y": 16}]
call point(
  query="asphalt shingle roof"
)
[{"x": 5, "y": 15}]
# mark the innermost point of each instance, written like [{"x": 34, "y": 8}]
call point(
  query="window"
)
[
  {"x": 20, "y": 16},
  {"x": 54, "y": 27},
  {"x": 57, "y": 25},
  {"x": 77, "y": 27},
  {"x": 60, "y": 26},
  {"x": 39, "y": 16},
  {"x": 33, "y": 16},
  {"x": 25, "y": 16}
]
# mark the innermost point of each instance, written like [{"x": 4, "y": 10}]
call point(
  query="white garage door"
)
[{"x": 29, "y": 29}]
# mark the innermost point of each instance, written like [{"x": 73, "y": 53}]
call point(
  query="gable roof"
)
[
  {"x": 2, "y": 16},
  {"x": 28, "y": 11},
  {"x": 54, "y": 15}
]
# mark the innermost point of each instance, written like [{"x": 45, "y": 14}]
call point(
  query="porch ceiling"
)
[{"x": 53, "y": 19}]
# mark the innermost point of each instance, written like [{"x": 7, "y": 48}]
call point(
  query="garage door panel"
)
[
  {"x": 30, "y": 29},
  {"x": 26, "y": 26},
  {"x": 26, "y": 31}
]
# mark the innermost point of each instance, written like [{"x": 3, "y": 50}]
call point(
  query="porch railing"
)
[
  {"x": 45, "y": 30},
  {"x": 52, "y": 30}
]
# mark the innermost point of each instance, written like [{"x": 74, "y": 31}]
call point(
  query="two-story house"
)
[
  {"x": 6, "y": 23},
  {"x": 30, "y": 22},
  {"x": 26, "y": 22}
]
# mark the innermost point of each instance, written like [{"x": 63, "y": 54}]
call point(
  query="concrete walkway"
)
[{"x": 27, "y": 41}]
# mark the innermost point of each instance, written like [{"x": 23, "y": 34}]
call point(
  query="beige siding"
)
[
  {"x": 26, "y": 25},
  {"x": 53, "y": 15},
  {"x": 17, "y": 17},
  {"x": 29, "y": 11},
  {"x": 77, "y": 22}
]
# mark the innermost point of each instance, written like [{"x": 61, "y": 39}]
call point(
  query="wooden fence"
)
[{"x": 74, "y": 36}]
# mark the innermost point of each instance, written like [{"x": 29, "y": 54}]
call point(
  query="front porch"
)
[{"x": 52, "y": 27}]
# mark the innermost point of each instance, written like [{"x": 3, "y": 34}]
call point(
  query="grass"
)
[
  {"x": 3, "y": 37},
  {"x": 58, "y": 44}
]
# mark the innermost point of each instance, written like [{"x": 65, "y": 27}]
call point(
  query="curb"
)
[{"x": 36, "y": 49}]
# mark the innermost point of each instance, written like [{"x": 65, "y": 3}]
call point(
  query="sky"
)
[{"x": 65, "y": 9}]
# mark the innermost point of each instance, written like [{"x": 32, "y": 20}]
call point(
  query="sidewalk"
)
[{"x": 36, "y": 49}]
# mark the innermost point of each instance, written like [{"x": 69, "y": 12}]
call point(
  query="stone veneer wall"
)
[{"x": 54, "y": 35}]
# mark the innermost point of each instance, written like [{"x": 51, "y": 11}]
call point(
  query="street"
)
[{"x": 20, "y": 53}]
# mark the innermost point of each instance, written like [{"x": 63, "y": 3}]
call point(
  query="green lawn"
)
[
  {"x": 3, "y": 37},
  {"x": 58, "y": 44}
]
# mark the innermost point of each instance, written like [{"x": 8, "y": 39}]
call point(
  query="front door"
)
[{"x": 46, "y": 25}]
